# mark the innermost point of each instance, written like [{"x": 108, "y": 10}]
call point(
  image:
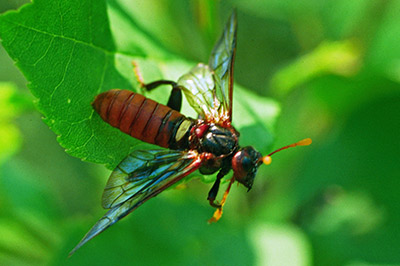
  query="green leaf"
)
[{"x": 66, "y": 51}]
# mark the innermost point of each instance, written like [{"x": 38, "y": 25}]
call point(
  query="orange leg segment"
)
[{"x": 218, "y": 213}]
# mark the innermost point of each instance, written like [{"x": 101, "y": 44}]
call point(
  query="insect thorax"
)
[
  {"x": 220, "y": 141},
  {"x": 211, "y": 138}
]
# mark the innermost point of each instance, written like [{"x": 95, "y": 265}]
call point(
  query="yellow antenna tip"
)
[
  {"x": 267, "y": 160},
  {"x": 304, "y": 142}
]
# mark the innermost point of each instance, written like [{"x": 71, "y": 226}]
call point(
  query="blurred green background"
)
[{"x": 334, "y": 68}]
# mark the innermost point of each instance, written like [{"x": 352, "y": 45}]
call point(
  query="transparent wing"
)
[
  {"x": 209, "y": 88},
  {"x": 198, "y": 87},
  {"x": 221, "y": 62},
  {"x": 139, "y": 177}
]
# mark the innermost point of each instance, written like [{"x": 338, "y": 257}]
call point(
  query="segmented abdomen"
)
[{"x": 140, "y": 117}]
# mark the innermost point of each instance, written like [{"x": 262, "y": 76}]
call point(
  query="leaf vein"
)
[
  {"x": 63, "y": 78},
  {"x": 62, "y": 37},
  {"x": 45, "y": 52},
  {"x": 103, "y": 74},
  {"x": 61, "y": 18},
  {"x": 90, "y": 22}
]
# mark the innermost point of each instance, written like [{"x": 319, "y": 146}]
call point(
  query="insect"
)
[{"x": 209, "y": 144}]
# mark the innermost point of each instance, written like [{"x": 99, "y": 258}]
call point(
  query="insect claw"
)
[{"x": 214, "y": 204}]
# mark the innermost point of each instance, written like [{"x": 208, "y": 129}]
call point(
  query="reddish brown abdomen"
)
[{"x": 138, "y": 116}]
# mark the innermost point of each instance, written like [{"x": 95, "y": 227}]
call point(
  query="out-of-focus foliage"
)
[
  {"x": 12, "y": 104},
  {"x": 333, "y": 68}
]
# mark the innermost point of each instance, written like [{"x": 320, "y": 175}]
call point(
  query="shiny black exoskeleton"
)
[{"x": 219, "y": 141}]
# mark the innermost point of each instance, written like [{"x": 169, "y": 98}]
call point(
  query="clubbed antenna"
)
[{"x": 305, "y": 142}]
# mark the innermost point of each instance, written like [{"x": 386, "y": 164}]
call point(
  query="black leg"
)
[
  {"x": 175, "y": 99},
  {"x": 152, "y": 85},
  {"x": 214, "y": 191}
]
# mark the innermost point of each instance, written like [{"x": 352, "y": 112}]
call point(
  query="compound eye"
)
[
  {"x": 244, "y": 165},
  {"x": 247, "y": 164}
]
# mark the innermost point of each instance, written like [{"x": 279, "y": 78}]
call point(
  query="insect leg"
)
[
  {"x": 175, "y": 99},
  {"x": 218, "y": 212},
  {"x": 214, "y": 190}
]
